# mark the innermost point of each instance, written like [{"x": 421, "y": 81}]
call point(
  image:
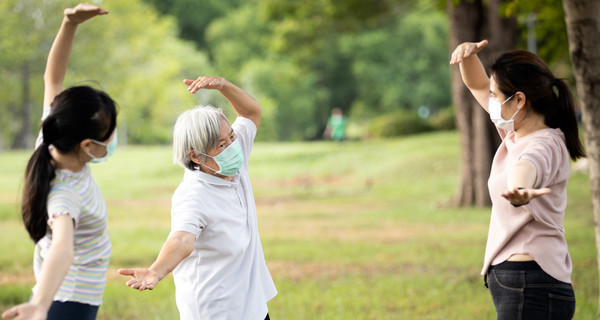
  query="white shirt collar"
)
[{"x": 208, "y": 178}]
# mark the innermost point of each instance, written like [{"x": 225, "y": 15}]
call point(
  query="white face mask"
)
[{"x": 495, "y": 109}]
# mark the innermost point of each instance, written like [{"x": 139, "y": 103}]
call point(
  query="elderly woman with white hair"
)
[{"x": 214, "y": 249}]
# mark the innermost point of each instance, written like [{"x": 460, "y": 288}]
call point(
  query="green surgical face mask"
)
[
  {"x": 110, "y": 149},
  {"x": 229, "y": 160}
]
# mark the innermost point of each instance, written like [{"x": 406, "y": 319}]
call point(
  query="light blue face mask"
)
[
  {"x": 110, "y": 148},
  {"x": 229, "y": 160}
]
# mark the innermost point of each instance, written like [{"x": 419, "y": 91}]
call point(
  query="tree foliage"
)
[
  {"x": 132, "y": 53},
  {"x": 193, "y": 17},
  {"x": 299, "y": 58},
  {"x": 24, "y": 33},
  {"x": 402, "y": 65},
  {"x": 548, "y": 25},
  {"x": 325, "y": 54}
]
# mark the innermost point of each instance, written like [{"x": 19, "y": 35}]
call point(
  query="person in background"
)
[
  {"x": 214, "y": 249},
  {"x": 527, "y": 262},
  {"x": 62, "y": 208},
  {"x": 336, "y": 126}
]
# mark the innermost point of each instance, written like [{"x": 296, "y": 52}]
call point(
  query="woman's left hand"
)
[
  {"x": 521, "y": 196},
  {"x": 467, "y": 50},
  {"x": 217, "y": 83}
]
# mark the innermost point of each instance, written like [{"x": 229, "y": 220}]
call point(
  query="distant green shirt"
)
[{"x": 337, "y": 125}]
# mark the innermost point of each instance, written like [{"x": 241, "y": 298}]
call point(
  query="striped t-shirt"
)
[{"x": 76, "y": 194}]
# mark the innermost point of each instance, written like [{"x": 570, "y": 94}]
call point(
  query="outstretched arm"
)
[
  {"x": 54, "y": 269},
  {"x": 178, "y": 246},
  {"x": 472, "y": 71},
  {"x": 243, "y": 103},
  {"x": 521, "y": 180},
  {"x": 56, "y": 65}
]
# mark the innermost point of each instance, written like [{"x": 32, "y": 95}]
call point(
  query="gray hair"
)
[{"x": 196, "y": 129}]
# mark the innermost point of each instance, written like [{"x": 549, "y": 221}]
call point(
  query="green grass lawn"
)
[{"x": 354, "y": 230}]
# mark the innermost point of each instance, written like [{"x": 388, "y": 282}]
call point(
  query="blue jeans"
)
[
  {"x": 71, "y": 311},
  {"x": 523, "y": 291}
]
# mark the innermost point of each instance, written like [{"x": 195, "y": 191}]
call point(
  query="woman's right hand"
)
[
  {"x": 26, "y": 311},
  {"x": 521, "y": 196},
  {"x": 83, "y": 12},
  {"x": 466, "y": 50},
  {"x": 141, "y": 279}
]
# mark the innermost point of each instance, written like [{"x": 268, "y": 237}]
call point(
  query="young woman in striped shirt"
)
[{"x": 63, "y": 209}]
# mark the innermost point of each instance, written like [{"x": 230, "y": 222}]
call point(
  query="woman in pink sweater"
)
[{"x": 527, "y": 261}]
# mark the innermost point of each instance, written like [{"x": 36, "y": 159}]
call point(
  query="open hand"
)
[
  {"x": 522, "y": 196},
  {"x": 466, "y": 50},
  {"x": 141, "y": 279},
  {"x": 83, "y": 12},
  {"x": 217, "y": 83},
  {"x": 26, "y": 311}
]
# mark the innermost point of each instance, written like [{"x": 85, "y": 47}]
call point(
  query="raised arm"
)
[
  {"x": 243, "y": 104},
  {"x": 56, "y": 65},
  {"x": 178, "y": 246},
  {"x": 472, "y": 71}
]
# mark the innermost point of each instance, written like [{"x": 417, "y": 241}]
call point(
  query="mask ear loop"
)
[
  {"x": 105, "y": 145},
  {"x": 505, "y": 101},
  {"x": 513, "y": 116},
  {"x": 204, "y": 164},
  {"x": 94, "y": 158}
]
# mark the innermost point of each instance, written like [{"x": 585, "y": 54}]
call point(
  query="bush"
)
[
  {"x": 443, "y": 120},
  {"x": 398, "y": 124}
]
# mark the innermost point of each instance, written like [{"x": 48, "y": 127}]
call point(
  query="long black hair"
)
[
  {"x": 76, "y": 114},
  {"x": 524, "y": 71}
]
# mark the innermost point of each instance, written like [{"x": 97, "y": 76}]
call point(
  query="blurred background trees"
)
[
  {"x": 300, "y": 60},
  {"x": 383, "y": 62},
  {"x": 133, "y": 53}
]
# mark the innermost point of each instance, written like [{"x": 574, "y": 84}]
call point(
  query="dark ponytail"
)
[
  {"x": 77, "y": 113},
  {"x": 38, "y": 175},
  {"x": 564, "y": 117},
  {"x": 526, "y": 72}
]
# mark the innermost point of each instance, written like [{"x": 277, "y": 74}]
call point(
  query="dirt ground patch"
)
[
  {"x": 20, "y": 278},
  {"x": 300, "y": 271}
]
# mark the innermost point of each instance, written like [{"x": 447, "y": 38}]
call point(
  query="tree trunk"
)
[
  {"x": 471, "y": 21},
  {"x": 582, "y": 18},
  {"x": 24, "y": 137}
]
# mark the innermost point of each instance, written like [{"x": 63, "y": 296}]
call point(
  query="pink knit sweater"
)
[{"x": 534, "y": 229}]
